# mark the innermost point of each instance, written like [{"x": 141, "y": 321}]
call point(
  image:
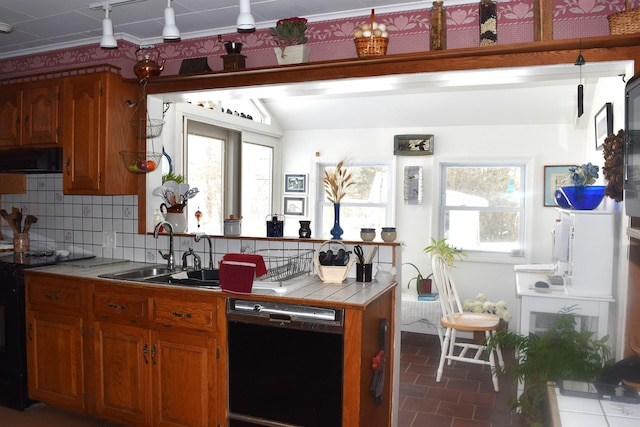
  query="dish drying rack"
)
[{"x": 285, "y": 264}]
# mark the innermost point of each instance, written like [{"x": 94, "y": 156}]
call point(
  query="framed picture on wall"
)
[
  {"x": 295, "y": 205},
  {"x": 603, "y": 124},
  {"x": 554, "y": 178},
  {"x": 413, "y": 145},
  {"x": 295, "y": 183}
]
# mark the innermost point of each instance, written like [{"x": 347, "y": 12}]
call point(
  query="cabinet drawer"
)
[
  {"x": 185, "y": 314},
  {"x": 53, "y": 293},
  {"x": 120, "y": 308}
]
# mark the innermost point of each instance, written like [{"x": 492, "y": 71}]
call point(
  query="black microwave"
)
[{"x": 632, "y": 147}]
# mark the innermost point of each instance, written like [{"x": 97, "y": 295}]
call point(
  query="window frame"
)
[
  {"x": 518, "y": 256},
  {"x": 322, "y": 202}
]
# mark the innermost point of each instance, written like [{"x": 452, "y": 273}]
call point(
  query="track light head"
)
[
  {"x": 108, "y": 41},
  {"x": 170, "y": 32},
  {"x": 246, "y": 23}
]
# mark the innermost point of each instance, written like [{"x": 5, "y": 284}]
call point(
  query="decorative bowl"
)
[
  {"x": 233, "y": 47},
  {"x": 561, "y": 200},
  {"x": 587, "y": 197}
]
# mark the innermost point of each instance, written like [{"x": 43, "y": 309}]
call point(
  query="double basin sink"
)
[{"x": 160, "y": 274}]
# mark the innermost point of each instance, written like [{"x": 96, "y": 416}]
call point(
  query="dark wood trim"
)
[
  {"x": 594, "y": 49},
  {"x": 542, "y": 20}
]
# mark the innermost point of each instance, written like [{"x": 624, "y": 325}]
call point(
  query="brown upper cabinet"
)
[
  {"x": 95, "y": 128},
  {"x": 29, "y": 114}
]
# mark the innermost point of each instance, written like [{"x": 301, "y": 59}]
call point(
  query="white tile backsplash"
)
[{"x": 79, "y": 221}]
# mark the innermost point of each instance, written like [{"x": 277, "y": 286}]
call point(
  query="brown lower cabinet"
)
[{"x": 154, "y": 356}]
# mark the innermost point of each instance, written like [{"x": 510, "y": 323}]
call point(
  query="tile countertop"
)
[
  {"x": 569, "y": 411},
  {"x": 303, "y": 289}
]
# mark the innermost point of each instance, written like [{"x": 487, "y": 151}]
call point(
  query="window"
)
[
  {"x": 367, "y": 204},
  {"x": 482, "y": 207},
  {"x": 233, "y": 178}
]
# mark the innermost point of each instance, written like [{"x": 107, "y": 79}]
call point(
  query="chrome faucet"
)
[
  {"x": 169, "y": 256},
  {"x": 197, "y": 238},
  {"x": 197, "y": 262}
]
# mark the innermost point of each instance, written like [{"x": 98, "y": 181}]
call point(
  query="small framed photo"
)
[
  {"x": 554, "y": 178},
  {"x": 295, "y": 205},
  {"x": 412, "y": 145},
  {"x": 603, "y": 124},
  {"x": 295, "y": 183}
]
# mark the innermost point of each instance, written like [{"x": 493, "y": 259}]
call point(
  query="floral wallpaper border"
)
[{"x": 330, "y": 40}]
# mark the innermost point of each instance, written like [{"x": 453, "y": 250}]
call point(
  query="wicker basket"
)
[
  {"x": 329, "y": 273},
  {"x": 625, "y": 22},
  {"x": 371, "y": 46}
]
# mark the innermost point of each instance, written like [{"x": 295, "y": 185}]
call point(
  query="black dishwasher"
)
[{"x": 285, "y": 364}]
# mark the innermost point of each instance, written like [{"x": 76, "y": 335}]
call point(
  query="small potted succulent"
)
[{"x": 289, "y": 34}]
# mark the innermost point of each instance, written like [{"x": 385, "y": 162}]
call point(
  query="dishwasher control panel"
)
[{"x": 297, "y": 316}]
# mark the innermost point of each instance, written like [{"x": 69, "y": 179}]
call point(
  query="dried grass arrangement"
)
[{"x": 337, "y": 182}]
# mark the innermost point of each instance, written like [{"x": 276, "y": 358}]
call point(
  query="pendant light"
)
[
  {"x": 580, "y": 62},
  {"x": 108, "y": 41},
  {"x": 246, "y": 23},
  {"x": 170, "y": 32}
]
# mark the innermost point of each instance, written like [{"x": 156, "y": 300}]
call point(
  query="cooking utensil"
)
[
  {"x": 28, "y": 221},
  {"x": 7, "y": 216},
  {"x": 372, "y": 255},
  {"x": 359, "y": 253}
]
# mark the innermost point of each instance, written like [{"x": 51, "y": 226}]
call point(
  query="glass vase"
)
[{"x": 336, "y": 231}]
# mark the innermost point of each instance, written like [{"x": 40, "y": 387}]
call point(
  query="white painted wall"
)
[{"x": 540, "y": 145}]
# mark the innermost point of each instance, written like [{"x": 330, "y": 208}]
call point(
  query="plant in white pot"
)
[{"x": 290, "y": 37}]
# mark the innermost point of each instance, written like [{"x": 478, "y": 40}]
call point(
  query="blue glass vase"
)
[{"x": 336, "y": 231}]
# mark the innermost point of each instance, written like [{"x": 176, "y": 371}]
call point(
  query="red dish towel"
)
[{"x": 261, "y": 268}]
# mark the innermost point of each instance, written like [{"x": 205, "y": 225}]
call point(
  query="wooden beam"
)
[
  {"x": 542, "y": 20},
  {"x": 596, "y": 49}
]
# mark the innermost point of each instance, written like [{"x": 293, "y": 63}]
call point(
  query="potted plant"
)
[
  {"x": 290, "y": 35},
  {"x": 423, "y": 284},
  {"x": 560, "y": 352},
  {"x": 444, "y": 249},
  {"x": 441, "y": 247}
]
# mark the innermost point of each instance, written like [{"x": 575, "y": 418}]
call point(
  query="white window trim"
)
[
  {"x": 529, "y": 191},
  {"x": 319, "y": 193}
]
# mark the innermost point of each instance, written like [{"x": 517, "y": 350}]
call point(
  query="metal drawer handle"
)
[
  {"x": 51, "y": 296},
  {"x": 145, "y": 349},
  {"x": 117, "y": 307},
  {"x": 183, "y": 315}
]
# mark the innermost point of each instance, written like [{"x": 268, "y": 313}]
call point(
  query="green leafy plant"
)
[
  {"x": 290, "y": 31},
  {"x": 418, "y": 278},
  {"x": 447, "y": 251},
  {"x": 173, "y": 177},
  {"x": 560, "y": 352}
]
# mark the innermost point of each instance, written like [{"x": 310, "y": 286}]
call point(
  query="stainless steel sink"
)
[{"x": 139, "y": 274}]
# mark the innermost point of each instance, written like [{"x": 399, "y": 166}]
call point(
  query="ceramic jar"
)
[
  {"x": 388, "y": 234},
  {"x": 367, "y": 234}
]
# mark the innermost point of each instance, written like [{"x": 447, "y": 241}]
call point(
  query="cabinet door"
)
[
  {"x": 82, "y": 129},
  {"x": 122, "y": 366},
  {"x": 40, "y": 113},
  {"x": 55, "y": 359},
  {"x": 185, "y": 389},
  {"x": 10, "y": 128}
]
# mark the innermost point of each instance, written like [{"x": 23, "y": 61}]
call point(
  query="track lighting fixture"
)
[
  {"x": 108, "y": 41},
  {"x": 170, "y": 32},
  {"x": 246, "y": 23}
]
